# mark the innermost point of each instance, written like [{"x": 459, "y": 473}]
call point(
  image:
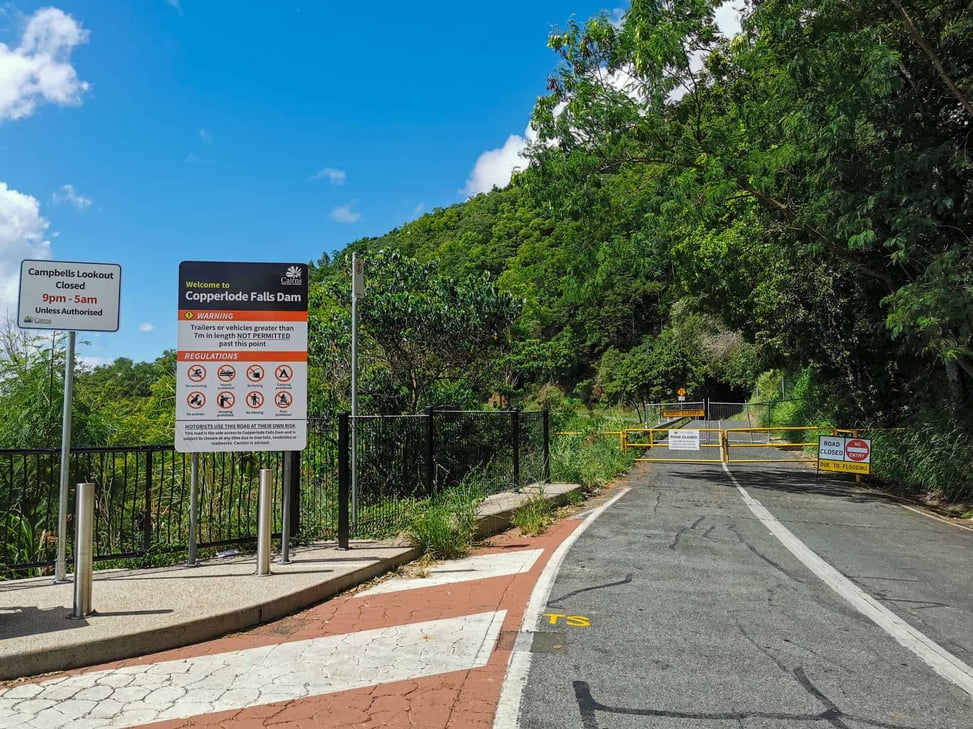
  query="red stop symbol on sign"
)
[{"x": 857, "y": 450}]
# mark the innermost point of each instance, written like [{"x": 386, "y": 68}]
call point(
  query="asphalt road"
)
[{"x": 700, "y": 616}]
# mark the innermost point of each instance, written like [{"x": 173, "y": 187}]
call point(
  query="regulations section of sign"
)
[
  {"x": 69, "y": 296},
  {"x": 845, "y": 455},
  {"x": 242, "y": 357}
]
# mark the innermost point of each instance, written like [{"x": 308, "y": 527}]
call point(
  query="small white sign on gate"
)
[{"x": 683, "y": 440}]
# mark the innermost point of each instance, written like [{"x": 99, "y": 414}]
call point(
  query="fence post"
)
[
  {"x": 430, "y": 452},
  {"x": 515, "y": 444},
  {"x": 344, "y": 468},
  {"x": 547, "y": 445},
  {"x": 147, "y": 519}
]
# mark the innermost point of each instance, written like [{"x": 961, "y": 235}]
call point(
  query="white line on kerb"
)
[
  {"x": 508, "y": 707},
  {"x": 938, "y": 658}
]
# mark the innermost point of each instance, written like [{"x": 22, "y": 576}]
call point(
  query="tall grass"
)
[
  {"x": 533, "y": 517},
  {"x": 444, "y": 526},
  {"x": 931, "y": 454},
  {"x": 587, "y": 451}
]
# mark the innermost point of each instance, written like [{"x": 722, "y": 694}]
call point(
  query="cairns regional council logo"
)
[{"x": 292, "y": 277}]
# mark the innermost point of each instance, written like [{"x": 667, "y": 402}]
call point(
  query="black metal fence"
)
[
  {"x": 400, "y": 460},
  {"x": 142, "y": 494}
]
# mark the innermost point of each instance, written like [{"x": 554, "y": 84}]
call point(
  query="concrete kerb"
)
[
  {"x": 145, "y": 611},
  {"x": 496, "y": 512}
]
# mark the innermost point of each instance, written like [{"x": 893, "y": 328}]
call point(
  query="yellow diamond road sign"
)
[{"x": 189, "y": 315}]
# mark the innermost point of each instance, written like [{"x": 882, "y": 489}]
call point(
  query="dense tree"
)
[{"x": 423, "y": 331}]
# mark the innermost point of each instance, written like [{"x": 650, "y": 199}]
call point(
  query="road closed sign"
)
[
  {"x": 844, "y": 455},
  {"x": 241, "y": 362},
  {"x": 69, "y": 296}
]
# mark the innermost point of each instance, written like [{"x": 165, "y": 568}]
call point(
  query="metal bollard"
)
[
  {"x": 263, "y": 521},
  {"x": 83, "y": 546}
]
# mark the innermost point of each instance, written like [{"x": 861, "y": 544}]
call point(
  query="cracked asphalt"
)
[
  {"x": 700, "y": 617},
  {"x": 676, "y": 608}
]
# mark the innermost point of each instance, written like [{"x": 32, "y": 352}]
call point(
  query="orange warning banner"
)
[{"x": 236, "y": 315}]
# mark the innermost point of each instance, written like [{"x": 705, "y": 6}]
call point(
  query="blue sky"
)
[{"x": 150, "y": 132}]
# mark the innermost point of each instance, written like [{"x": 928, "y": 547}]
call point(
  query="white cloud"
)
[
  {"x": 22, "y": 235},
  {"x": 344, "y": 214},
  {"x": 206, "y": 136},
  {"x": 67, "y": 194},
  {"x": 335, "y": 177},
  {"x": 495, "y": 167},
  {"x": 146, "y": 327},
  {"x": 39, "y": 69},
  {"x": 175, "y": 4}
]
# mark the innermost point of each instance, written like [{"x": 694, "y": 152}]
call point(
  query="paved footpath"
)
[{"x": 423, "y": 652}]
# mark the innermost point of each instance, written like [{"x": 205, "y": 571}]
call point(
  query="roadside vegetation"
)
[
  {"x": 795, "y": 207},
  {"x": 533, "y": 517},
  {"x": 444, "y": 526}
]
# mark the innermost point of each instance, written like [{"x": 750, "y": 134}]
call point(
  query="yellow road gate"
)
[{"x": 655, "y": 438}]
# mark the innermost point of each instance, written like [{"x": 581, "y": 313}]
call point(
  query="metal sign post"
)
[
  {"x": 69, "y": 296},
  {"x": 193, "y": 509},
  {"x": 60, "y": 565},
  {"x": 357, "y": 291}
]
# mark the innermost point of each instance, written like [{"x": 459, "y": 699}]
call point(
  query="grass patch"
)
[
  {"x": 444, "y": 526},
  {"x": 534, "y": 516}
]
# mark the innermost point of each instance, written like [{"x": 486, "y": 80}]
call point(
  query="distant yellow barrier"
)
[{"x": 728, "y": 440}]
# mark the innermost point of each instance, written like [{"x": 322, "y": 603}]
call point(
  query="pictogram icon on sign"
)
[
  {"x": 189, "y": 315},
  {"x": 197, "y": 373},
  {"x": 225, "y": 400},
  {"x": 857, "y": 450},
  {"x": 226, "y": 373},
  {"x": 681, "y": 392},
  {"x": 195, "y": 399},
  {"x": 283, "y": 400},
  {"x": 255, "y": 373},
  {"x": 255, "y": 398},
  {"x": 284, "y": 373}
]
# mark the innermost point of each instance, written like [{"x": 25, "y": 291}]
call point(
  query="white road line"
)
[
  {"x": 508, "y": 707},
  {"x": 152, "y": 692},
  {"x": 480, "y": 567},
  {"x": 938, "y": 658},
  {"x": 937, "y": 518}
]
